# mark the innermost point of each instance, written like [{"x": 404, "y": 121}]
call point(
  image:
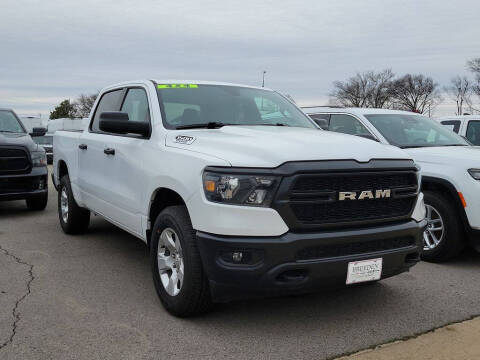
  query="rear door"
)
[{"x": 94, "y": 180}]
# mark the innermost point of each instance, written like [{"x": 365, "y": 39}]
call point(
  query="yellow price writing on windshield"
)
[{"x": 177, "y": 86}]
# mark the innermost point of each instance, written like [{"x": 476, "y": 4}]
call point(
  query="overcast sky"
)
[{"x": 52, "y": 50}]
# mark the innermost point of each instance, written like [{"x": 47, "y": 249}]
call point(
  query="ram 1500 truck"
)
[
  {"x": 23, "y": 164},
  {"x": 450, "y": 170},
  {"x": 237, "y": 193}
]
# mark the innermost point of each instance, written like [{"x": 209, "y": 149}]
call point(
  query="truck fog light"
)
[
  {"x": 241, "y": 256},
  {"x": 41, "y": 185}
]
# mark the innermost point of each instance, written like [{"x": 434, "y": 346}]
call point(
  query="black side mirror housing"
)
[
  {"x": 38, "y": 131},
  {"x": 117, "y": 122},
  {"x": 322, "y": 123}
]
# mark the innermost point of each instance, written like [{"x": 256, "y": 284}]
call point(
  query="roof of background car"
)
[
  {"x": 172, "y": 81},
  {"x": 458, "y": 117},
  {"x": 355, "y": 111},
  {"x": 6, "y": 109}
]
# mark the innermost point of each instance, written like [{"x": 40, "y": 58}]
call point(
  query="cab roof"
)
[
  {"x": 176, "y": 81},
  {"x": 352, "y": 110}
]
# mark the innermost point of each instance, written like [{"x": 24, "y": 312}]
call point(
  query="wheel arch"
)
[
  {"x": 161, "y": 198},
  {"x": 62, "y": 169},
  {"x": 446, "y": 187}
]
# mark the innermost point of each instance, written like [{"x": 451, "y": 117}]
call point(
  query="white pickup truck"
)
[
  {"x": 237, "y": 193},
  {"x": 450, "y": 170}
]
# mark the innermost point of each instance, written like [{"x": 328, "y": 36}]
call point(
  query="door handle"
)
[
  {"x": 82, "y": 147},
  {"x": 109, "y": 151}
]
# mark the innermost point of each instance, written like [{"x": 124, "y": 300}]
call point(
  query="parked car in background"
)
[
  {"x": 33, "y": 121},
  {"x": 237, "y": 193},
  {"x": 46, "y": 142},
  {"x": 467, "y": 126},
  {"x": 23, "y": 164},
  {"x": 450, "y": 170}
]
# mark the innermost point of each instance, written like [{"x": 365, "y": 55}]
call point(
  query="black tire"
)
[
  {"x": 453, "y": 240},
  {"x": 37, "y": 203},
  {"x": 194, "y": 294},
  {"x": 78, "y": 218}
]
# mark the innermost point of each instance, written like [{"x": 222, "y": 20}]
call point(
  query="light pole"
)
[{"x": 263, "y": 78}]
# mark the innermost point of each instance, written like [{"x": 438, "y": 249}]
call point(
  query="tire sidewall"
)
[
  {"x": 168, "y": 221},
  {"x": 452, "y": 226}
]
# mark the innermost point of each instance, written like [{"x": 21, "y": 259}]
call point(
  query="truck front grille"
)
[
  {"x": 14, "y": 160},
  {"x": 307, "y": 201}
]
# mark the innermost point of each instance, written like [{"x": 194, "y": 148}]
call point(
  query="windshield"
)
[
  {"x": 186, "y": 105},
  {"x": 406, "y": 130},
  {"x": 43, "y": 140},
  {"x": 9, "y": 122}
]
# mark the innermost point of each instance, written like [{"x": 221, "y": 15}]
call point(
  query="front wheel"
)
[
  {"x": 444, "y": 237},
  {"x": 178, "y": 275}
]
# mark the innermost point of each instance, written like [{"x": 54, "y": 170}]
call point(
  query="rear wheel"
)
[
  {"x": 177, "y": 270},
  {"x": 73, "y": 218},
  {"x": 38, "y": 202},
  {"x": 444, "y": 237}
]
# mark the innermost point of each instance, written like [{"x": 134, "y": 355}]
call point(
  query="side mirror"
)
[
  {"x": 38, "y": 131},
  {"x": 368, "y": 136},
  {"x": 322, "y": 123},
  {"x": 117, "y": 122}
]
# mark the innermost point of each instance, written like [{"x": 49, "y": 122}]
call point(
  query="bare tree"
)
[
  {"x": 368, "y": 89},
  {"x": 417, "y": 93},
  {"x": 474, "y": 65},
  {"x": 460, "y": 90},
  {"x": 84, "y": 104}
]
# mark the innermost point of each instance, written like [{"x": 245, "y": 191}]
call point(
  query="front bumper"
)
[
  {"x": 303, "y": 262},
  {"x": 23, "y": 186}
]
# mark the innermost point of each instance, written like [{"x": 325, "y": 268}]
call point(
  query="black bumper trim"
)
[
  {"x": 33, "y": 177},
  {"x": 279, "y": 272}
]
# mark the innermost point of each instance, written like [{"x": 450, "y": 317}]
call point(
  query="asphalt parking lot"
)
[{"x": 92, "y": 297}]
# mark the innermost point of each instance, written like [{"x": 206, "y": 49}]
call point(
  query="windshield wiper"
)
[
  {"x": 435, "y": 145},
  {"x": 454, "y": 145},
  {"x": 209, "y": 125},
  {"x": 276, "y": 124}
]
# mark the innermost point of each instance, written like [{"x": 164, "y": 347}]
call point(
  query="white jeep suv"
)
[{"x": 450, "y": 170}]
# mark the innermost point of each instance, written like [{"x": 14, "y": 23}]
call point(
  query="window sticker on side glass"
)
[{"x": 177, "y": 86}]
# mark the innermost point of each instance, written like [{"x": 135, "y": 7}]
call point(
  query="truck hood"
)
[
  {"x": 18, "y": 140},
  {"x": 461, "y": 156},
  {"x": 271, "y": 146}
]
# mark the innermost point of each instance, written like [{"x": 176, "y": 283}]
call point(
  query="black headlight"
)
[
  {"x": 39, "y": 158},
  {"x": 240, "y": 189}
]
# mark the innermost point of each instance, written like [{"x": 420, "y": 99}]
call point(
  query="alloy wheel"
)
[
  {"x": 64, "y": 205},
  {"x": 170, "y": 261},
  {"x": 435, "y": 230}
]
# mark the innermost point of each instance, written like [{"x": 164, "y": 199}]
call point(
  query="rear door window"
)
[{"x": 473, "y": 132}]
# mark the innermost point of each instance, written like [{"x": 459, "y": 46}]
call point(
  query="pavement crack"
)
[{"x": 15, "y": 312}]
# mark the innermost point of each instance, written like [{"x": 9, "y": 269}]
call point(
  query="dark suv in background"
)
[{"x": 23, "y": 163}]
